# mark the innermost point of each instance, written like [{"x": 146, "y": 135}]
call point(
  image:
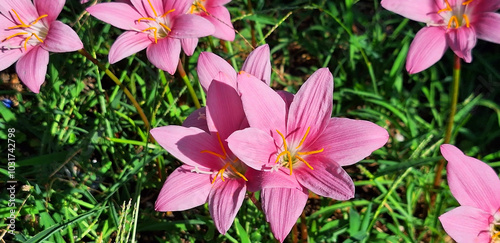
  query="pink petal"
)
[
  {"x": 221, "y": 19},
  {"x": 258, "y": 180},
  {"x": 327, "y": 179},
  {"x": 283, "y": 207},
  {"x": 145, "y": 9},
  {"x": 224, "y": 109},
  {"x": 187, "y": 144},
  {"x": 126, "y": 44},
  {"x": 426, "y": 49},
  {"x": 165, "y": 54},
  {"x": 209, "y": 66},
  {"x": 484, "y": 6},
  {"x": 180, "y": 6},
  {"x": 253, "y": 147},
  {"x": 211, "y": 3},
  {"x": 32, "y": 67},
  {"x": 24, "y": 8},
  {"x": 190, "y": 26},
  {"x": 51, "y": 8},
  {"x": 421, "y": 11},
  {"x": 188, "y": 45},
  {"x": 197, "y": 118},
  {"x": 465, "y": 223},
  {"x": 258, "y": 64},
  {"x": 472, "y": 182},
  {"x": 62, "y": 38},
  {"x": 461, "y": 41},
  {"x": 486, "y": 27},
  {"x": 311, "y": 107},
  {"x": 347, "y": 141},
  {"x": 264, "y": 108},
  {"x": 183, "y": 190},
  {"x": 120, "y": 15},
  {"x": 224, "y": 201},
  {"x": 9, "y": 56}
]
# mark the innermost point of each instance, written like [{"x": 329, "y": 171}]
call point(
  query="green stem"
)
[{"x": 184, "y": 77}]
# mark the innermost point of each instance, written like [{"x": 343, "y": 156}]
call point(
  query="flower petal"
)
[
  {"x": 484, "y": 6},
  {"x": 190, "y": 26},
  {"x": 461, "y": 41},
  {"x": 24, "y": 8},
  {"x": 258, "y": 64},
  {"x": 121, "y": 15},
  {"x": 209, "y": 66},
  {"x": 224, "y": 201},
  {"x": 165, "y": 54},
  {"x": 472, "y": 182},
  {"x": 283, "y": 207},
  {"x": 426, "y": 49},
  {"x": 62, "y": 38},
  {"x": 180, "y": 6},
  {"x": 188, "y": 45},
  {"x": 420, "y": 11},
  {"x": 51, "y": 8},
  {"x": 216, "y": 2},
  {"x": 258, "y": 180},
  {"x": 221, "y": 19},
  {"x": 347, "y": 141},
  {"x": 32, "y": 67},
  {"x": 197, "y": 118},
  {"x": 327, "y": 179},
  {"x": 126, "y": 44},
  {"x": 465, "y": 223},
  {"x": 148, "y": 8},
  {"x": 187, "y": 144},
  {"x": 311, "y": 107},
  {"x": 9, "y": 56},
  {"x": 253, "y": 147},
  {"x": 183, "y": 190},
  {"x": 486, "y": 27}
]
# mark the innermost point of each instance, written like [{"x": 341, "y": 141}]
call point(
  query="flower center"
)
[
  {"x": 231, "y": 167},
  {"x": 27, "y": 31},
  {"x": 158, "y": 26},
  {"x": 290, "y": 158},
  {"x": 495, "y": 228},
  {"x": 455, "y": 16},
  {"x": 197, "y": 7}
]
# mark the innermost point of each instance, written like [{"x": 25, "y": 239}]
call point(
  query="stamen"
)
[
  {"x": 304, "y": 161},
  {"x": 20, "y": 20},
  {"x": 164, "y": 26},
  {"x": 303, "y": 138},
  {"x": 221, "y": 173},
  {"x": 453, "y": 19},
  {"x": 146, "y": 18},
  {"x": 236, "y": 171},
  {"x": 36, "y": 36},
  {"x": 201, "y": 6},
  {"x": 169, "y": 11},
  {"x": 18, "y": 26},
  {"x": 281, "y": 154},
  {"x": 14, "y": 35},
  {"x": 448, "y": 7},
  {"x": 495, "y": 236},
  {"x": 290, "y": 163},
  {"x": 467, "y": 23},
  {"x": 151, "y": 5},
  {"x": 38, "y": 19},
  {"x": 154, "y": 31},
  {"x": 311, "y": 152},
  {"x": 221, "y": 145},
  {"x": 467, "y": 2},
  {"x": 213, "y": 153},
  {"x": 284, "y": 140},
  {"x": 26, "y": 42}
]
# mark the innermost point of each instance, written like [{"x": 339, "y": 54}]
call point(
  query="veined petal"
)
[
  {"x": 126, "y": 44},
  {"x": 283, "y": 207},
  {"x": 209, "y": 66},
  {"x": 485, "y": 6},
  {"x": 486, "y": 27},
  {"x": 187, "y": 144},
  {"x": 180, "y": 6},
  {"x": 472, "y": 182},
  {"x": 327, "y": 179},
  {"x": 145, "y": 9},
  {"x": 465, "y": 223},
  {"x": 51, "y": 8},
  {"x": 461, "y": 41},
  {"x": 426, "y": 49},
  {"x": 62, "y": 38},
  {"x": 191, "y": 26},
  {"x": 197, "y": 118},
  {"x": 253, "y": 147},
  {"x": 347, "y": 141},
  {"x": 188, "y": 45},
  {"x": 311, "y": 107},
  {"x": 24, "y": 8},
  {"x": 280, "y": 178},
  {"x": 165, "y": 54},
  {"x": 258, "y": 63},
  {"x": 221, "y": 19},
  {"x": 120, "y": 15},
  {"x": 224, "y": 201},
  {"x": 184, "y": 189},
  {"x": 420, "y": 11},
  {"x": 216, "y": 2},
  {"x": 32, "y": 67}
]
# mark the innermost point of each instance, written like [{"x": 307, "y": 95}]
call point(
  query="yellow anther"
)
[
  {"x": 236, "y": 171},
  {"x": 452, "y": 20},
  {"x": 26, "y": 42},
  {"x": 303, "y": 138},
  {"x": 467, "y": 23},
  {"x": 20, "y": 20},
  {"x": 311, "y": 152},
  {"x": 221, "y": 173},
  {"x": 467, "y": 2},
  {"x": 38, "y": 19},
  {"x": 221, "y": 145},
  {"x": 197, "y": 6},
  {"x": 164, "y": 26},
  {"x": 281, "y": 154},
  {"x": 154, "y": 32},
  {"x": 495, "y": 236},
  {"x": 36, "y": 36},
  {"x": 14, "y": 35},
  {"x": 213, "y": 153},
  {"x": 304, "y": 161},
  {"x": 146, "y": 18},
  {"x": 151, "y": 5},
  {"x": 18, "y": 26},
  {"x": 169, "y": 11},
  {"x": 284, "y": 140},
  {"x": 448, "y": 7}
]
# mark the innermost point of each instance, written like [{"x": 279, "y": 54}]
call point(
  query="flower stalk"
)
[{"x": 184, "y": 77}]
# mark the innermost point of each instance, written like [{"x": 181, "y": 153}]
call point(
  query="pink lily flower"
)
[
  {"x": 476, "y": 187},
  {"x": 295, "y": 145},
  {"x": 212, "y": 173},
  {"x": 158, "y": 25},
  {"x": 28, "y": 32},
  {"x": 215, "y": 12},
  {"x": 450, "y": 23}
]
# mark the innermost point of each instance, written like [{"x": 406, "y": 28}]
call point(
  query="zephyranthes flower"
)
[
  {"x": 28, "y": 32},
  {"x": 450, "y": 23},
  {"x": 158, "y": 25},
  {"x": 296, "y": 145},
  {"x": 212, "y": 173},
  {"x": 476, "y": 187}
]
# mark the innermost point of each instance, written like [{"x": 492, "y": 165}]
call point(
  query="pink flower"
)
[
  {"x": 215, "y": 12},
  {"x": 476, "y": 187},
  {"x": 450, "y": 23},
  {"x": 158, "y": 25},
  {"x": 296, "y": 145},
  {"x": 212, "y": 173},
  {"x": 28, "y": 32}
]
